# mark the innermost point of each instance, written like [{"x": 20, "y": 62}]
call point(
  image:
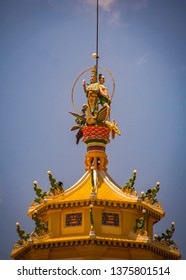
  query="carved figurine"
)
[
  {"x": 90, "y": 113},
  {"x": 165, "y": 238},
  {"x": 92, "y": 93},
  {"x": 103, "y": 95},
  {"x": 150, "y": 195},
  {"x": 22, "y": 235},
  {"x": 40, "y": 227},
  {"x": 39, "y": 192},
  {"x": 56, "y": 187},
  {"x": 140, "y": 227},
  {"x": 129, "y": 186}
]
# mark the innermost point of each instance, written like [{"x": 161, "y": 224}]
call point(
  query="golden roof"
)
[
  {"x": 120, "y": 243},
  {"x": 107, "y": 192}
]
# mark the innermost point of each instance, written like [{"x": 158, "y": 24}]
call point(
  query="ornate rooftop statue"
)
[
  {"x": 93, "y": 120},
  {"x": 92, "y": 93},
  {"x": 97, "y": 109},
  {"x": 103, "y": 95}
]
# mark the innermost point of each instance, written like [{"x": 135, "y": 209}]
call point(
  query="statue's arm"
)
[{"x": 84, "y": 86}]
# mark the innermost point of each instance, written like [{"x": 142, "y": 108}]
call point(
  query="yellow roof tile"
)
[
  {"x": 107, "y": 189},
  {"x": 81, "y": 193}
]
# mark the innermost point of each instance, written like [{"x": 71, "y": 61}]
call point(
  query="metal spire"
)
[{"x": 97, "y": 35}]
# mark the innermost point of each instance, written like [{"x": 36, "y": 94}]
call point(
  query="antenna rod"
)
[{"x": 97, "y": 37}]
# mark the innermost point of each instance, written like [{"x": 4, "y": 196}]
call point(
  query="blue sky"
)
[{"x": 44, "y": 46}]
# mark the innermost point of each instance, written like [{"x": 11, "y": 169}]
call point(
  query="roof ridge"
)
[{"x": 115, "y": 187}]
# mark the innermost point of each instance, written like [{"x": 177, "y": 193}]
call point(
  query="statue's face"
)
[
  {"x": 102, "y": 79},
  {"x": 93, "y": 78}
]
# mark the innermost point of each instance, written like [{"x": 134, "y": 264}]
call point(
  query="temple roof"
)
[
  {"x": 107, "y": 189},
  {"x": 119, "y": 243},
  {"x": 107, "y": 192}
]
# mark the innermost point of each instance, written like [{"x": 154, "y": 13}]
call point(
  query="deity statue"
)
[
  {"x": 91, "y": 114},
  {"x": 103, "y": 95},
  {"x": 97, "y": 93},
  {"x": 92, "y": 93}
]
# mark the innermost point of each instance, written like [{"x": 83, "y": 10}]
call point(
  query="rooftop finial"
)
[{"x": 97, "y": 24}]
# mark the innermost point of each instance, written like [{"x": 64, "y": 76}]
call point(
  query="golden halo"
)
[{"x": 86, "y": 70}]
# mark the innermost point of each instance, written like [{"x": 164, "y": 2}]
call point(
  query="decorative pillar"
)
[{"x": 96, "y": 137}]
